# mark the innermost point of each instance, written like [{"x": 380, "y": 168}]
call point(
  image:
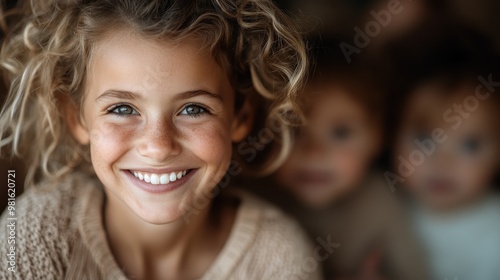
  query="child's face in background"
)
[
  {"x": 157, "y": 112},
  {"x": 462, "y": 166},
  {"x": 332, "y": 151}
]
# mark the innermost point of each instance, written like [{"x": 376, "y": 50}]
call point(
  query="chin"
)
[{"x": 158, "y": 215}]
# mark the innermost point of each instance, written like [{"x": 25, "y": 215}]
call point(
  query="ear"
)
[
  {"x": 74, "y": 121},
  {"x": 243, "y": 121}
]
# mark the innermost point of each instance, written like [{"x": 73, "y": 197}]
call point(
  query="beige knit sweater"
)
[{"x": 60, "y": 235}]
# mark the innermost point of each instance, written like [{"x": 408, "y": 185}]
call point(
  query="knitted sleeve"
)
[{"x": 35, "y": 245}]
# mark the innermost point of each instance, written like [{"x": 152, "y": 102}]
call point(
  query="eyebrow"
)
[
  {"x": 123, "y": 94},
  {"x": 194, "y": 93}
]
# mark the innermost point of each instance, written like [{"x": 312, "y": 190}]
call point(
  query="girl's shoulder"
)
[
  {"x": 53, "y": 204},
  {"x": 41, "y": 225},
  {"x": 265, "y": 243}
]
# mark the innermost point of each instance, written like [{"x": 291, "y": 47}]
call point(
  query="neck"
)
[{"x": 145, "y": 244}]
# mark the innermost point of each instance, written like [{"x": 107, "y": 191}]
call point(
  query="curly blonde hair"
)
[{"x": 45, "y": 58}]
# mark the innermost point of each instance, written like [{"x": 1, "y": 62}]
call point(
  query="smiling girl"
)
[{"x": 126, "y": 112}]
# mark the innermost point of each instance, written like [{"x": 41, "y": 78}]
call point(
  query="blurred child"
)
[
  {"x": 447, "y": 154},
  {"x": 126, "y": 111},
  {"x": 331, "y": 174}
]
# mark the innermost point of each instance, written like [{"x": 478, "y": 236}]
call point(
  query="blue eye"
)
[
  {"x": 123, "y": 110},
  {"x": 193, "y": 110}
]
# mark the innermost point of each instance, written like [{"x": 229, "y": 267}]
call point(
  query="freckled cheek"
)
[
  {"x": 211, "y": 143},
  {"x": 108, "y": 143}
]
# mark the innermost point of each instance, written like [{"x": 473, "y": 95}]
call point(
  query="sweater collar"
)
[{"x": 91, "y": 227}]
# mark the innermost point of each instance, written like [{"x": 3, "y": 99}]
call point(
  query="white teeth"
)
[
  {"x": 157, "y": 179},
  {"x": 164, "y": 179},
  {"x": 173, "y": 177}
]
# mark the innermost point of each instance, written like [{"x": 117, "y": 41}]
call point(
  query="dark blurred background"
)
[{"x": 339, "y": 17}]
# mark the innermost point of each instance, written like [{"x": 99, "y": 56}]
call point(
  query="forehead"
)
[
  {"x": 124, "y": 58},
  {"x": 432, "y": 105},
  {"x": 325, "y": 99}
]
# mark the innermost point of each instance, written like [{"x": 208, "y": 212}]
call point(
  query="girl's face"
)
[
  {"x": 159, "y": 121},
  {"x": 456, "y": 167},
  {"x": 333, "y": 151}
]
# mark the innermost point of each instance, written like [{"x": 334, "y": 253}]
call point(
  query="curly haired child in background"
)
[{"x": 126, "y": 112}]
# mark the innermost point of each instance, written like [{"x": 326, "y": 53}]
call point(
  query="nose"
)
[{"x": 159, "y": 141}]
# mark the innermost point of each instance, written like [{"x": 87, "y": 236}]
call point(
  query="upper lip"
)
[{"x": 159, "y": 170}]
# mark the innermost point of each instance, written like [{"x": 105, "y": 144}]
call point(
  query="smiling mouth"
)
[{"x": 159, "y": 179}]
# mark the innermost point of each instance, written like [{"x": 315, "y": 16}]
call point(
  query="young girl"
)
[{"x": 126, "y": 112}]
